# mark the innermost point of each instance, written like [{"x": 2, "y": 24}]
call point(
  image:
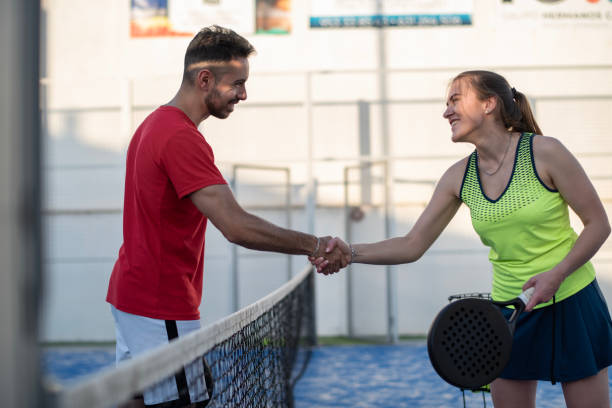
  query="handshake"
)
[{"x": 331, "y": 255}]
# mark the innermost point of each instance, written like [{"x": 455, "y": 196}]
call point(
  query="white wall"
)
[{"x": 100, "y": 84}]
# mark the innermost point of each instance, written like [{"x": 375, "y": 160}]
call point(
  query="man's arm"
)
[{"x": 218, "y": 204}]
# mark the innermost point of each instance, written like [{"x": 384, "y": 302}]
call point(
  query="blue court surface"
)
[{"x": 385, "y": 376}]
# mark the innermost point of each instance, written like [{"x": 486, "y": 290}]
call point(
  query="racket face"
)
[{"x": 469, "y": 343}]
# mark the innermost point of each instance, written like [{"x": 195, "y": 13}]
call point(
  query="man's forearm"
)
[{"x": 256, "y": 233}]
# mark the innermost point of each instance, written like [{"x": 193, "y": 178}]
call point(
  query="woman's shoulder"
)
[
  {"x": 553, "y": 160},
  {"x": 549, "y": 150},
  {"x": 453, "y": 176},
  {"x": 548, "y": 147},
  {"x": 460, "y": 166}
]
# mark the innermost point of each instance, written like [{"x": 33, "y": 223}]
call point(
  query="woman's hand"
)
[{"x": 546, "y": 285}]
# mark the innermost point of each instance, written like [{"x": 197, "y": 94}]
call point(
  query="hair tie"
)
[{"x": 513, "y": 93}]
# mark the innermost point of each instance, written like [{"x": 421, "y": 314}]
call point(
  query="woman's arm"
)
[
  {"x": 440, "y": 210},
  {"x": 560, "y": 170}
]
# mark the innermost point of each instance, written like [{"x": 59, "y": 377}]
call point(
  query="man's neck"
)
[{"x": 190, "y": 104}]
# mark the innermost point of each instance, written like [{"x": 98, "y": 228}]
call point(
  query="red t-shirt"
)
[{"x": 158, "y": 273}]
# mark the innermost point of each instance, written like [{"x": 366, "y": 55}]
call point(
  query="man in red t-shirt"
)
[{"x": 172, "y": 187}]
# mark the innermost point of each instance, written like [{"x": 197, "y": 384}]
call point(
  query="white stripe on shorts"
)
[{"x": 138, "y": 334}]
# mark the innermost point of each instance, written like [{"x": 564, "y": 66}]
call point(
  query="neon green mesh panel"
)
[{"x": 523, "y": 189}]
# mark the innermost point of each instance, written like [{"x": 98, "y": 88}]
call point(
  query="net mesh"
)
[{"x": 252, "y": 358}]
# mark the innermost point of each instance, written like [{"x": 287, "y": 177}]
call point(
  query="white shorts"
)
[{"x": 138, "y": 334}]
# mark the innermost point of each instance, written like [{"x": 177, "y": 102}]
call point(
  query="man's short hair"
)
[{"x": 214, "y": 44}]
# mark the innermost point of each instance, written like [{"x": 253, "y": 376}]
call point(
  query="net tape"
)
[{"x": 255, "y": 356}]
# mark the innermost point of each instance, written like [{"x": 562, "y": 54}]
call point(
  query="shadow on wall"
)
[{"x": 82, "y": 227}]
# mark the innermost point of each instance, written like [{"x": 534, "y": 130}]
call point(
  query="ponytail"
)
[{"x": 527, "y": 122}]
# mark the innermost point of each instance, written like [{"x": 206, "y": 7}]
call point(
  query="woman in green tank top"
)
[{"x": 518, "y": 185}]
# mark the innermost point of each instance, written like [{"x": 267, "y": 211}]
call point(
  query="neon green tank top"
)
[{"x": 527, "y": 227}]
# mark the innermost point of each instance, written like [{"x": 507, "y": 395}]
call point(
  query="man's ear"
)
[{"x": 205, "y": 79}]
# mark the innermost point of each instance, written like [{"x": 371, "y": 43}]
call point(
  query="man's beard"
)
[{"x": 215, "y": 106}]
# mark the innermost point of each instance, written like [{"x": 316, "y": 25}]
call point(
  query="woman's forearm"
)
[{"x": 392, "y": 251}]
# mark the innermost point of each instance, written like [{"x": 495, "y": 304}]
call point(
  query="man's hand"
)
[{"x": 333, "y": 255}]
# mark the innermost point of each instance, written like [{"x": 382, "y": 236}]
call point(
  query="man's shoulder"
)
[
  {"x": 165, "y": 123},
  {"x": 169, "y": 116}
]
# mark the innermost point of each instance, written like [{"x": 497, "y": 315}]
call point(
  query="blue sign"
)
[{"x": 419, "y": 20}]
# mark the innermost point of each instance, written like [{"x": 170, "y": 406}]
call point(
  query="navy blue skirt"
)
[{"x": 564, "y": 342}]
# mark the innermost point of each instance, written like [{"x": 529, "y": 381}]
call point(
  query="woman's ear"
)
[{"x": 490, "y": 104}]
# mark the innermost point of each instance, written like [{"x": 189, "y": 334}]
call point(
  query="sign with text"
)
[
  {"x": 577, "y": 13},
  {"x": 389, "y": 13}
]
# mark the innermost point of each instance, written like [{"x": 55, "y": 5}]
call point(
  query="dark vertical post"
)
[{"x": 20, "y": 224}]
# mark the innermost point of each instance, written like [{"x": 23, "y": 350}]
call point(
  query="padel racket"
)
[{"x": 470, "y": 340}]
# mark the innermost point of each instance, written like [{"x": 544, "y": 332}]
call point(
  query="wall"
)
[{"x": 99, "y": 84}]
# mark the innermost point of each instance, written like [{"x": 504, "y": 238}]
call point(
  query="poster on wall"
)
[
  {"x": 149, "y": 18},
  {"x": 389, "y": 13},
  {"x": 577, "y": 13},
  {"x": 160, "y": 18},
  {"x": 273, "y": 16},
  {"x": 192, "y": 15}
]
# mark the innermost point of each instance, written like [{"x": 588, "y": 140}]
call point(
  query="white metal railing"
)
[{"x": 126, "y": 108}]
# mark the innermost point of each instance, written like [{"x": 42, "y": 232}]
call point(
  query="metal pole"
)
[
  {"x": 366, "y": 198},
  {"x": 392, "y": 334},
  {"x": 311, "y": 185},
  {"x": 349, "y": 270},
  {"x": 365, "y": 151},
  {"x": 288, "y": 219},
  {"x": 234, "y": 248},
  {"x": 391, "y": 275},
  {"x": 234, "y": 251}
]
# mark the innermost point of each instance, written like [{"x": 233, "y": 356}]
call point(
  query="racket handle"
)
[{"x": 526, "y": 295}]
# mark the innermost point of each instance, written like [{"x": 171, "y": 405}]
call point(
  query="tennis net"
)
[{"x": 252, "y": 358}]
